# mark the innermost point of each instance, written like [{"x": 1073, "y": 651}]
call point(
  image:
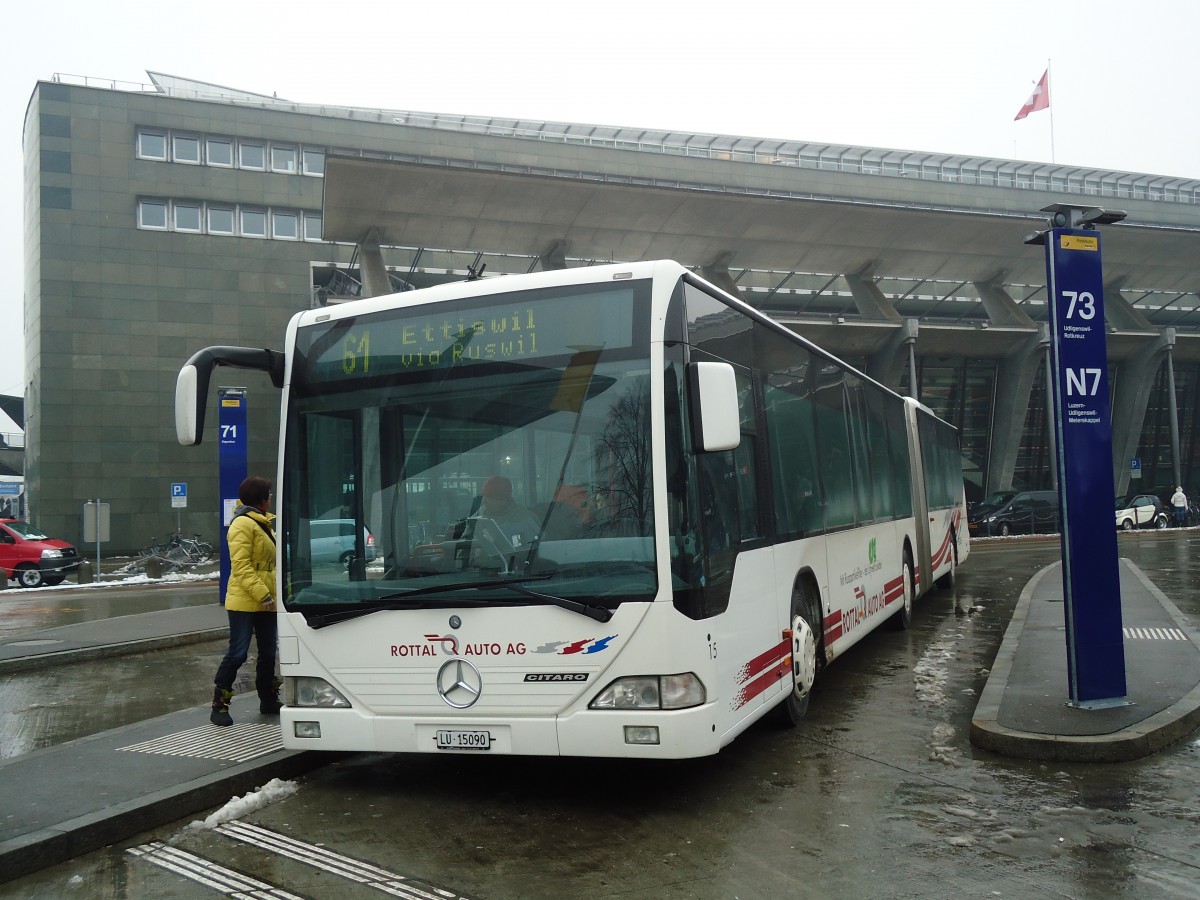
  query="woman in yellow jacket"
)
[{"x": 250, "y": 600}]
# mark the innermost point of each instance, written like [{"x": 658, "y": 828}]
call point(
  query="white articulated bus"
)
[{"x": 614, "y": 512}]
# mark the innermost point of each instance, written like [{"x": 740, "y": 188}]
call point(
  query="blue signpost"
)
[
  {"x": 233, "y": 461},
  {"x": 1091, "y": 578}
]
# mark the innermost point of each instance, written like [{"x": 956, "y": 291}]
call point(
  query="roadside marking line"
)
[
  {"x": 235, "y": 743},
  {"x": 208, "y": 873},
  {"x": 338, "y": 864}
]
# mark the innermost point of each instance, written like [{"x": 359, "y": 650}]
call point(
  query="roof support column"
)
[
  {"x": 869, "y": 299},
  {"x": 1132, "y": 396},
  {"x": 1014, "y": 383},
  {"x": 554, "y": 257},
  {"x": 717, "y": 272},
  {"x": 375, "y": 281},
  {"x": 1001, "y": 309},
  {"x": 886, "y": 365},
  {"x": 1173, "y": 408},
  {"x": 1119, "y": 312}
]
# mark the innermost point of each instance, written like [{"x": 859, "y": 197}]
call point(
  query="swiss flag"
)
[{"x": 1039, "y": 99}]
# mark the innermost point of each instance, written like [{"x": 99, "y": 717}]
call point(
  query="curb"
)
[
  {"x": 1149, "y": 736},
  {"x": 82, "y": 654},
  {"x": 50, "y": 846}
]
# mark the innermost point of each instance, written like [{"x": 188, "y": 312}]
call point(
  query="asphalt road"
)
[{"x": 877, "y": 794}]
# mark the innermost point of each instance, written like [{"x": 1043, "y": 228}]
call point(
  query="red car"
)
[{"x": 34, "y": 558}]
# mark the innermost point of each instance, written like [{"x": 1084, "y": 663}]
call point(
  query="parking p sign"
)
[{"x": 179, "y": 495}]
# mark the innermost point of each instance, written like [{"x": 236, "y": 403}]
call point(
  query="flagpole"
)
[{"x": 1048, "y": 81}]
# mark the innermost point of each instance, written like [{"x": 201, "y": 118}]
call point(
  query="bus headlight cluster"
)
[
  {"x": 652, "y": 692},
  {"x": 313, "y": 692}
]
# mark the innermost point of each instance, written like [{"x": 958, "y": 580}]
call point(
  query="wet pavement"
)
[{"x": 878, "y": 794}]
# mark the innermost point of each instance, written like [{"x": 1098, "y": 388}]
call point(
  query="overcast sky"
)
[{"x": 933, "y": 75}]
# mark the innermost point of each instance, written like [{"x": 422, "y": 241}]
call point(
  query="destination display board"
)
[{"x": 1083, "y": 424}]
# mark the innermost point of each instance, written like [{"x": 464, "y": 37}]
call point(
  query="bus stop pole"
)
[{"x": 233, "y": 461}]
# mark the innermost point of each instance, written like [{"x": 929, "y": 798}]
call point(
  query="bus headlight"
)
[
  {"x": 652, "y": 692},
  {"x": 313, "y": 692}
]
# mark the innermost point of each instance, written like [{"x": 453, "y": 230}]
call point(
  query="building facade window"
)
[
  {"x": 283, "y": 159},
  {"x": 185, "y": 149},
  {"x": 254, "y": 223},
  {"x": 220, "y": 152},
  {"x": 152, "y": 145},
  {"x": 220, "y": 220},
  {"x": 285, "y": 226},
  {"x": 194, "y": 217},
  {"x": 314, "y": 161},
  {"x": 227, "y": 152},
  {"x": 187, "y": 217},
  {"x": 152, "y": 214},
  {"x": 252, "y": 156}
]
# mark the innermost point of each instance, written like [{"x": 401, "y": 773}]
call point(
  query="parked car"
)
[
  {"x": 1166, "y": 492},
  {"x": 333, "y": 541},
  {"x": 34, "y": 558},
  {"x": 1015, "y": 512},
  {"x": 991, "y": 502},
  {"x": 1143, "y": 511}
]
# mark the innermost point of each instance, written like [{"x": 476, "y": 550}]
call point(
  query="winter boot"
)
[
  {"x": 220, "y": 706},
  {"x": 268, "y": 697}
]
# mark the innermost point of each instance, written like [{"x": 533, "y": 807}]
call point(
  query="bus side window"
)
[{"x": 718, "y": 503}]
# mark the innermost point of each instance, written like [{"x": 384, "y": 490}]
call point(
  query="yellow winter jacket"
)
[{"x": 251, "y": 562}]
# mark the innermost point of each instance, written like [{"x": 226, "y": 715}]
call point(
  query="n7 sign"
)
[{"x": 1077, "y": 381}]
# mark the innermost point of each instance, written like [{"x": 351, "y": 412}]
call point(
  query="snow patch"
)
[{"x": 273, "y": 790}]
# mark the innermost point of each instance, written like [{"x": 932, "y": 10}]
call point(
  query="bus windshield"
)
[{"x": 492, "y": 451}]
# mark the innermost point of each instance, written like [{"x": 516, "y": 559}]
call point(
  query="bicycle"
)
[
  {"x": 176, "y": 551},
  {"x": 190, "y": 550}
]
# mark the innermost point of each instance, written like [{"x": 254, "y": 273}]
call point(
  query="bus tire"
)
[
  {"x": 902, "y": 617},
  {"x": 805, "y": 656},
  {"x": 946, "y": 582}
]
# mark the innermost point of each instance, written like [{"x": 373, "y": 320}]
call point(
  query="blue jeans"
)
[{"x": 265, "y": 627}]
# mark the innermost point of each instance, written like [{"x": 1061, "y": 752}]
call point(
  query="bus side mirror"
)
[
  {"x": 713, "y": 397},
  {"x": 191, "y": 385},
  {"x": 189, "y": 407}
]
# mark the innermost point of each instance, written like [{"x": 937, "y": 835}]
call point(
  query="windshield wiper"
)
[
  {"x": 407, "y": 599},
  {"x": 401, "y": 599},
  {"x": 599, "y": 613}
]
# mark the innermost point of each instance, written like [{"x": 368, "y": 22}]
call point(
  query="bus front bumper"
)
[{"x": 675, "y": 734}]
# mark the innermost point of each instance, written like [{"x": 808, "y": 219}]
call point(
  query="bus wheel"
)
[
  {"x": 805, "y": 658},
  {"x": 902, "y": 617},
  {"x": 946, "y": 582}
]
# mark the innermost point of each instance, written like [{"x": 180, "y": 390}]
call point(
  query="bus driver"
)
[{"x": 517, "y": 523}]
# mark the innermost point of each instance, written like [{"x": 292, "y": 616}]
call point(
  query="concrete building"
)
[{"x": 163, "y": 218}]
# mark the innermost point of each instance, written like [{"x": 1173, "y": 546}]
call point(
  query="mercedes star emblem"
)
[{"x": 459, "y": 683}]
